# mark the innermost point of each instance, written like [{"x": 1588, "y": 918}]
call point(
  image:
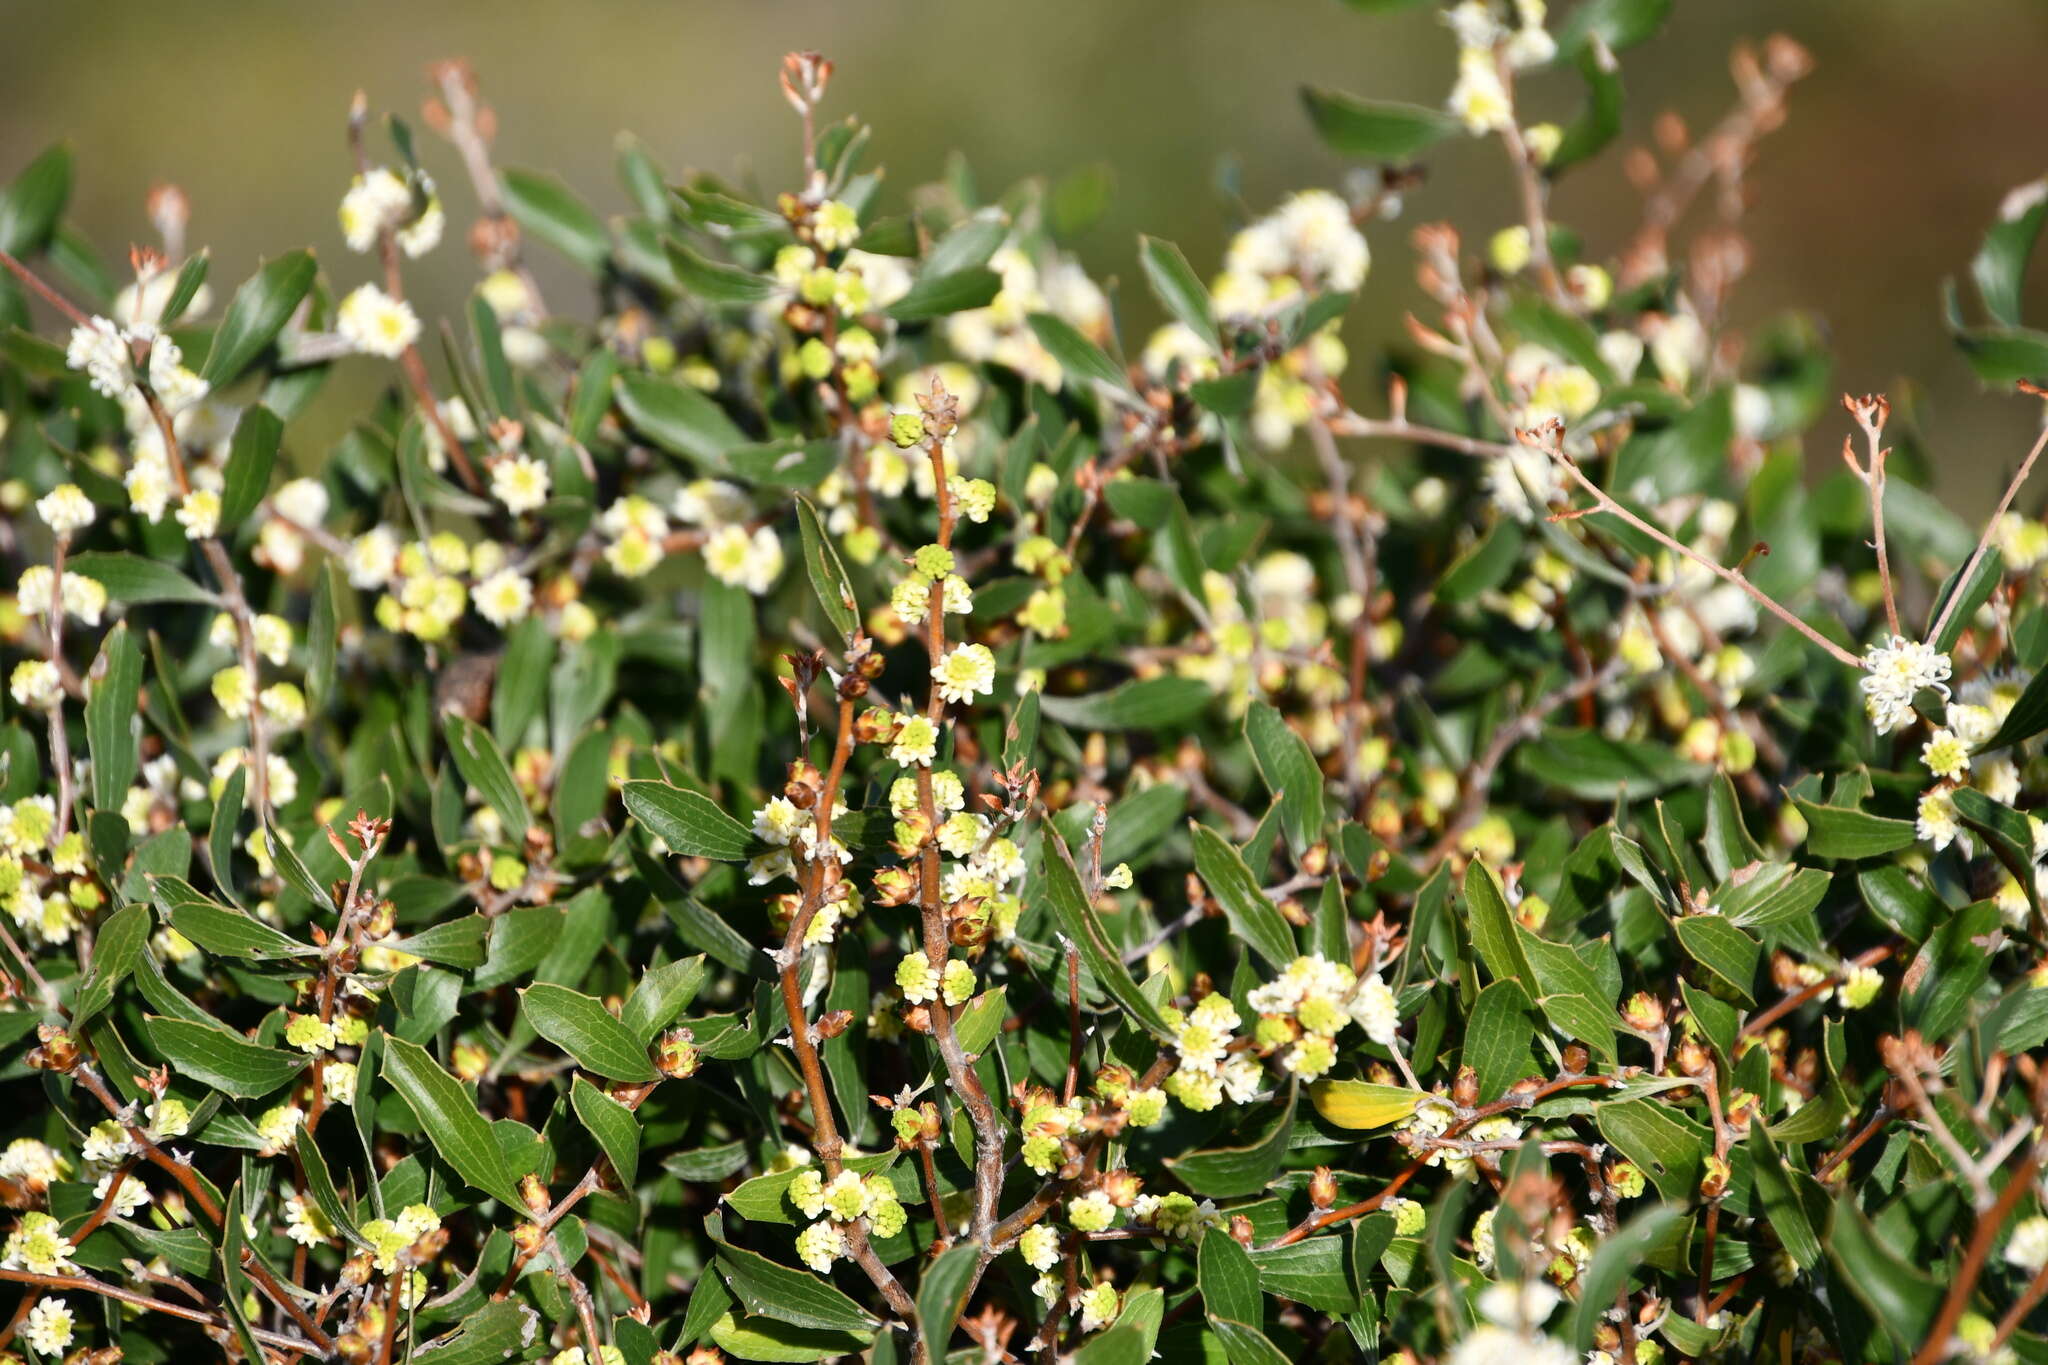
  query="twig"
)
[
  {"x": 1548, "y": 439},
  {"x": 2017, "y": 1187},
  {"x": 1990, "y": 528},
  {"x": 92, "y": 1285}
]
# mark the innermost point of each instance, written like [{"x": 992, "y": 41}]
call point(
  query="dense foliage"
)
[{"x": 813, "y": 800}]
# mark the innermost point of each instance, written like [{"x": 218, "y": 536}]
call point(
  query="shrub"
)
[{"x": 1250, "y": 880}]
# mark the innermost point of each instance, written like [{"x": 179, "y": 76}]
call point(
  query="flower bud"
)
[
  {"x": 677, "y": 1056},
  {"x": 1644, "y": 1012},
  {"x": 894, "y": 886},
  {"x": 1465, "y": 1089},
  {"x": 1322, "y": 1189},
  {"x": 906, "y": 429}
]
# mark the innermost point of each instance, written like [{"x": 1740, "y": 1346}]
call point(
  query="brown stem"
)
[
  {"x": 2017, "y": 1186},
  {"x": 394, "y": 284},
  {"x": 90, "y": 1285},
  {"x": 1990, "y": 529},
  {"x": 1551, "y": 445}
]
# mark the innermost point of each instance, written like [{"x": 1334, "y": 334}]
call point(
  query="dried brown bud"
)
[
  {"x": 1465, "y": 1089},
  {"x": 677, "y": 1057},
  {"x": 1322, "y": 1189},
  {"x": 58, "y": 1052},
  {"x": 534, "y": 1193},
  {"x": 834, "y": 1022},
  {"x": 894, "y": 886},
  {"x": 1122, "y": 1188},
  {"x": 1644, "y": 1012},
  {"x": 1694, "y": 1059},
  {"x": 1241, "y": 1230}
]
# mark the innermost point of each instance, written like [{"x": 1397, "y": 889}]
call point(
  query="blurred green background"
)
[{"x": 1919, "y": 116}]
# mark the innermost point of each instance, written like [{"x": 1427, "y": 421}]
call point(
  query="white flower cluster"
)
[
  {"x": 105, "y": 351},
  {"x": 1001, "y": 333},
  {"x": 1211, "y": 1064},
  {"x": 379, "y": 200},
  {"x": 1894, "y": 673},
  {"x": 845, "y": 1199}
]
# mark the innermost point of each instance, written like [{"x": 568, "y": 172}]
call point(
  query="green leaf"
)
[
  {"x": 1668, "y": 1151},
  {"x": 981, "y": 1021},
  {"x": 936, "y": 296},
  {"x": 191, "y": 276},
  {"x": 1485, "y": 566},
  {"x": 714, "y": 281},
  {"x": 1953, "y": 966},
  {"x": 456, "y": 943},
  {"x": 1597, "y": 767},
  {"x": 1060, "y": 884},
  {"x": 1179, "y": 290},
  {"x": 1725, "y": 951},
  {"x": 1903, "y": 1300},
  {"x": 763, "y": 1338},
  {"x": 492, "y": 1335},
  {"x": 251, "y": 456},
  {"x": 968, "y": 244},
  {"x": 1247, "y": 1345},
  {"x": 220, "y": 1058},
  {"x": 110, "y": 706},
  {"x": 1311, "y": 1273},
  {"x": 713, "y": 209},
  {"x": 1791, "y": 1198},
  {"x": 1617, "y": 23},
  {"x": 1988, "y": 574},
  {"x": 322, "y": 632},
  {"x": 1894, "y": 897},
  {"x": 1497, "y": 1037},
  {"x": 582, "y": 1027},
  {"x": 1252, "y": 917},
  {"x": 1493, "y": 927},
  {"x": 1375, "y": 130},
  {"x": 1146, "y": 704},
  {"x": 292, "y": 868},
  {"x": 690, "y": 823},
  {"x": 827, "y": 573},
  {"x": 1838, "y": 832},
  {"x": 765, "y": 1198},
  {"x": 660, "y": 996},
  {"x": 1290, "y": 773},
  {"x": 2028, "y": 717},
  {"x": 789, "y": 1295},
  {"x": 1227, "y": 1172},
  {"x": 613, "y": 1125},
  {"x": 132, "y": 579},
  {"x": 449, "y": 1114},
  {"x": 1777, "y": 893},
  {"x": 2000, "y": 266},
  {"x": 220, "y": 929},
  {"x": 677, "y": 418},
  {"x": 1228, "y": 1280},
  {"x": 257, "y": 313},
  {"x": 942, "y": 1295},
  {"x": 483, "y": 766},
  {"x": 1081, "y": 358},
  {"x": 120, "y": 945},
  {"x": 550, "y": 210},
  {"x": 32, "y": 204}
]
